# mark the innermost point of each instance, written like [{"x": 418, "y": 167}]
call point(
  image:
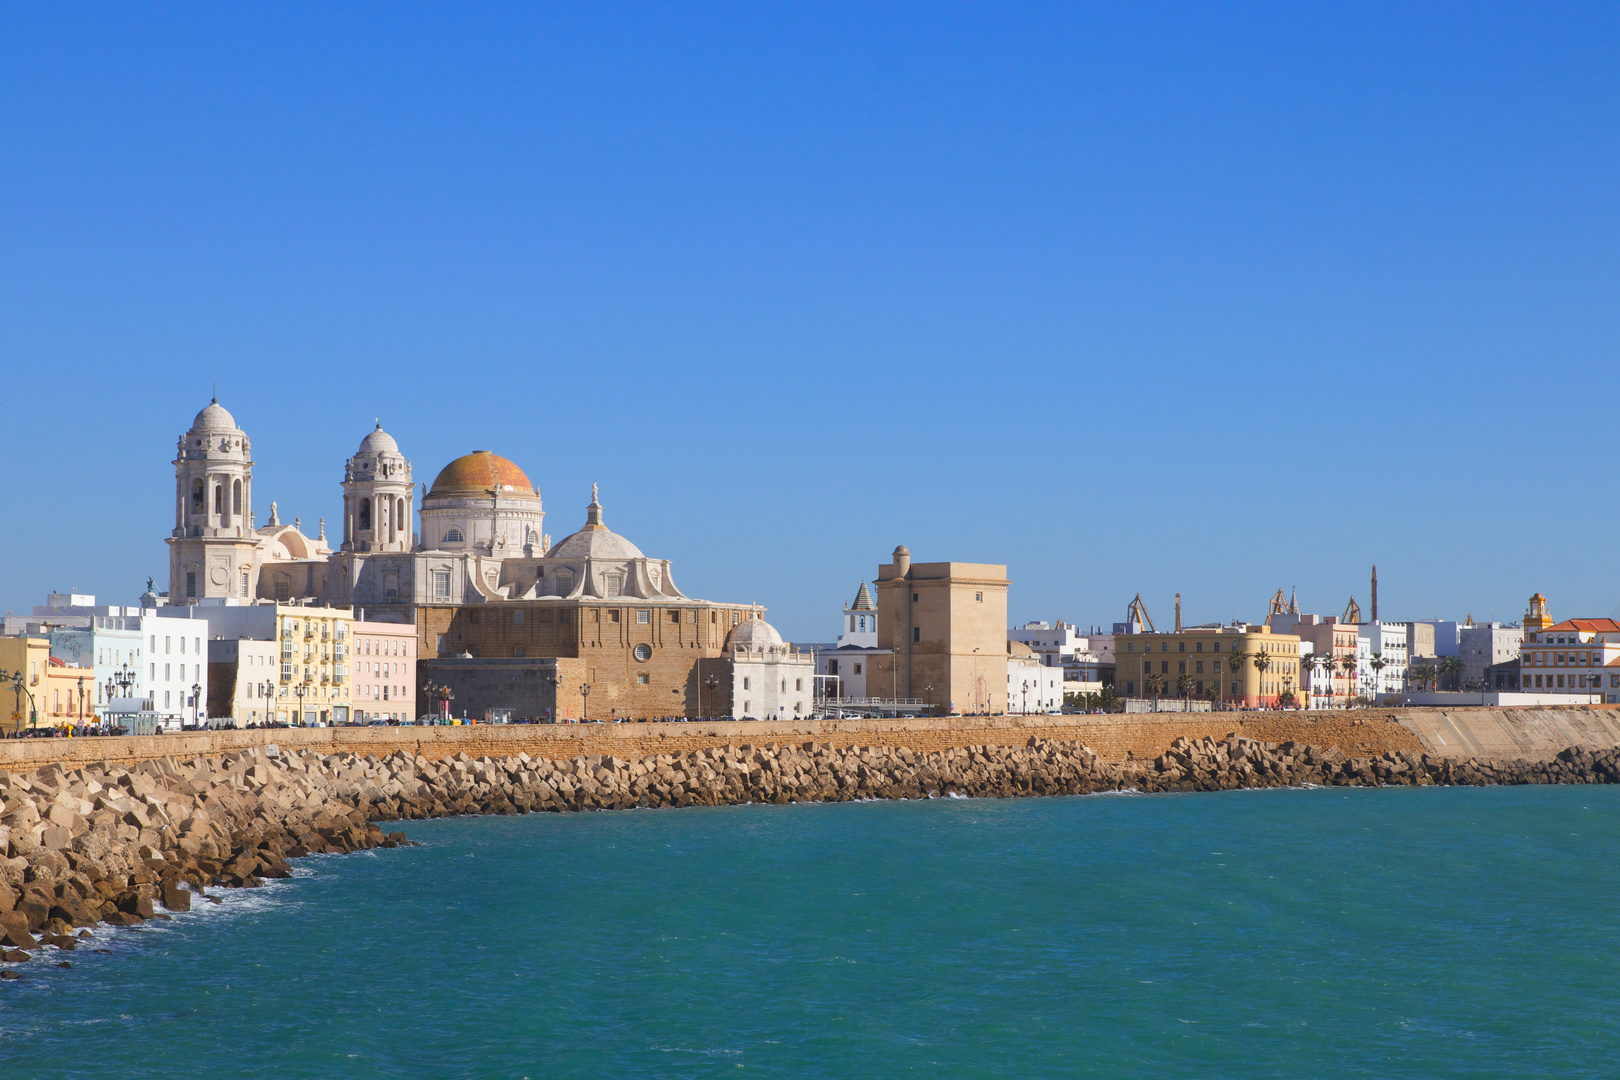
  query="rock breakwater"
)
[{"x": 105, "y": 844}]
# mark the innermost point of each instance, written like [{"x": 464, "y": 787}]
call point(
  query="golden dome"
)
[{"x": 480, "y": 473}]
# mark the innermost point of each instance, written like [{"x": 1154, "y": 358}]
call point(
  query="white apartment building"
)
[
  {"x": 176, "y": 675},
  {"x": 1032, "y": 686},
  {"x": 1381, "y": 656}
]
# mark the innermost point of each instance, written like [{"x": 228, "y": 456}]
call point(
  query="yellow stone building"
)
[
  {"x": 1216, "y": 664},
  {"x": 29, "y": 657}
]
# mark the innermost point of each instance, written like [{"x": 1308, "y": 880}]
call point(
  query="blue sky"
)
[{"x": 1207, "y": 298}]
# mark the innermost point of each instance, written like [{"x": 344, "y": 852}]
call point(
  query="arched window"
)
[
  {"x": 365, "y": 513},
  {"x": 219, "y": 498},
  {"x": 452, "y": 535},
  {"x": 236, "y": 497},
  {"x": 565, "y": 582},
  {"x": 199, "y": 500},
  {"x": 533, "y": 538},
  {"x": 518, "y": 652}
]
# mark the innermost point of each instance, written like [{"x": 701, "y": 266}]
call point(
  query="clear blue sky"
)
[{"x": 1208, "y": 297}]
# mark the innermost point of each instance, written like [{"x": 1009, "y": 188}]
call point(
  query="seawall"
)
[{"x": 1487, "y": 733}]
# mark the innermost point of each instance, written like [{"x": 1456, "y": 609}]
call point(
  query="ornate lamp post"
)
[
  {"x": 712, "y": 682},
  {"x": 298, "y": 692},
  {"x": 585, "y": 694},
  {"x": 196, "y": 705},
  {"x": 81, "y": 704},
  {"x": 928, "y": 692}
]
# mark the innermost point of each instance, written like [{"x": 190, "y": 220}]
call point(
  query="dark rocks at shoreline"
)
[{"x": 106, "y": 844}]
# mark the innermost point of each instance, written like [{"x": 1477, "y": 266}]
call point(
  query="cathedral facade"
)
[{"x": 469, "y": 565}]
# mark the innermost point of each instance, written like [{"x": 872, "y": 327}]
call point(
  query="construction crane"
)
[
  {"x": 1352, "y": 612},
  {"x": 1137, "y": 613},
  {"x": 1279, "y": 606}
]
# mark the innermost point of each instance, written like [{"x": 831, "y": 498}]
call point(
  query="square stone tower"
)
[{"x": 947, "y": 625}]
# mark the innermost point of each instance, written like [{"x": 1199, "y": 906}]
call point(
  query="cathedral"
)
[{"x": 479, "y": 577}]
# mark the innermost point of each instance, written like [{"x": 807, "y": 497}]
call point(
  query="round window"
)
[{"x": 643, "y": 652}]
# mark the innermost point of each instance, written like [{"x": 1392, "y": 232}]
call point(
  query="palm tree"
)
[
  {"x": 1319, "y": 663},
  {"x": 1184, "y": 684},
  {"x": 1235, "y": 664},
  {"x": 1377, "y": 663},
  {"x": 1422, "y": 674},
  {"x": 1349, "y": 664},
  {"x": 1453, "y": 667},
  {"x": 1153, "y": 684},
  {"x": 1261, "y": 662}
]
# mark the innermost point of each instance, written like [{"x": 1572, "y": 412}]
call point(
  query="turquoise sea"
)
[{"x": 1323, "y": 933}]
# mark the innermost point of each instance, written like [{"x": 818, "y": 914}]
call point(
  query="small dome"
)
[
  {"x": 214, "y": 417},
  {"x": 595, "y": 540},
  {"x": 754, "y": 633},
  {"x": 378, "y": 442},
  {"x": 480, "y": 473},
  {"x": 598, "y": 543}
]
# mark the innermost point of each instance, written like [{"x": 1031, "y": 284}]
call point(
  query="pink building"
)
[{"x": 383, "y": 663}]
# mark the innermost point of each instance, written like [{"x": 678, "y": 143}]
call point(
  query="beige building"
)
[
  {"x": 242, "y": 680},
  {"x": 946, "y": 626},
  {"x": 1218, "y": 663},
  {"x": 383, "y": 670}
]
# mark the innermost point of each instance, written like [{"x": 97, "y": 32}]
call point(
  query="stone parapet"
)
[{"x": 1496, "y": 733}]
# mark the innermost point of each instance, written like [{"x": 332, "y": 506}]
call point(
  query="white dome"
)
[
  {"x": 755, "y": 633},
  {"x": 595, "y": 540},
  {"x": 214, "y": 418},
  {"x": 377, "y": 442},
  {"x": 597, "y": 543}
]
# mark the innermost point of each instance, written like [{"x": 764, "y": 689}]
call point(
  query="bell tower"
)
[
  {"x": 378, "y": 496},
  {"x": 211, "y": 546}
]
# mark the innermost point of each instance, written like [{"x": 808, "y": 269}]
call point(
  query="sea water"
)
[{"x": 1321, "y": 933}]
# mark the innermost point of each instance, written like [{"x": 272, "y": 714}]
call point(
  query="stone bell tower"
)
[
  {"x": 378, "y": 496},
  {"x": 212, "y": 545}
]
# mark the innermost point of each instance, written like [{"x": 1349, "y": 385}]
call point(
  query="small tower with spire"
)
[{"x": 860, "y": 624}]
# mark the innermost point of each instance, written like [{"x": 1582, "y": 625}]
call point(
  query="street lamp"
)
[
  {"x": 928, "y": 692},
  {"x": 1026, "y": 696},
  {"x": 552, "y": 681},
  {"x": 585, "y": 708},
  {"x": 299, "y": 691},
  {"x": 81, "y": 704},
  {"x": 711, "y": 682},
  {"x": 196, "y": 706}
]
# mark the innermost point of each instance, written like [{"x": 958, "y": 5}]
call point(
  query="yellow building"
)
[
  {"x": 312, "y": 653},
  {"x": 1216, "y": 664},
  {"x": 24, "y": 662}
]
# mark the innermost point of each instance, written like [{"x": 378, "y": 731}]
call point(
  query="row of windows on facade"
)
[
  {"x": 1542, "y": 659},
  {"x": 1283, "y": 667},
  {"x": 798, "y": 684},
  {"x": 612, "y": 583},
  {"x": 283, "y": 588},
  {"x": 1585, "y": 682}
]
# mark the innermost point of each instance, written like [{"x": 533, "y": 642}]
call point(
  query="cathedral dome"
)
[
  {"x": 595, "y": 540},
  {"x": 755, "y": 633},
  {"x": 480, "y": 473},
  {"x": 214, "y": 417},
  {"x": 378, "y": 442}
]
